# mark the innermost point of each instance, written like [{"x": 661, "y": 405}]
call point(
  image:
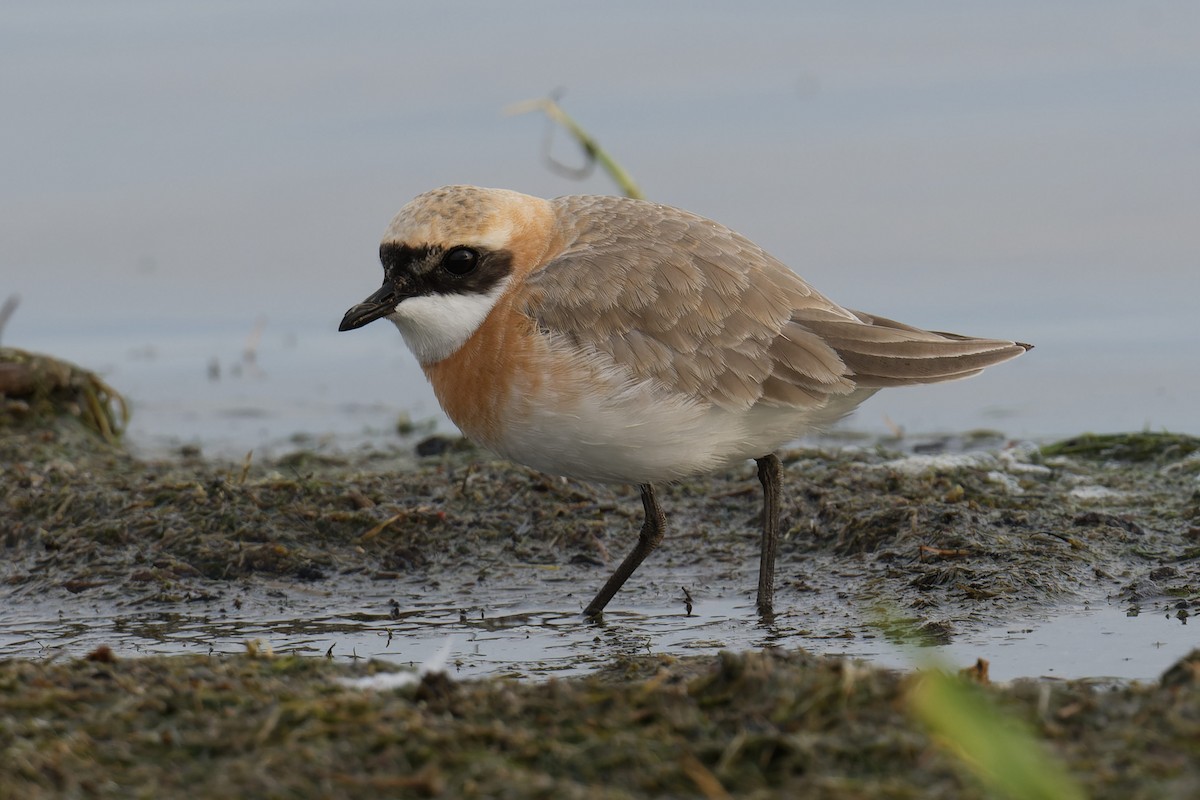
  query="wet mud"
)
[{"x": 328, "y": 562}]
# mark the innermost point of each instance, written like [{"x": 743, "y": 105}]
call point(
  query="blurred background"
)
[{"x": 192, "y": 194}]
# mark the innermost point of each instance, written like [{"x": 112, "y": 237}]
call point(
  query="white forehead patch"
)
[
  {"x": 436, "y": 325},
  {"x": 496, "y": 236}
]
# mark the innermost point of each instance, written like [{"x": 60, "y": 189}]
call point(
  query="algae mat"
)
[
  {"x": 766, "y": 724},
  {"x": 882, "y": 546},
  {"x": 1077, "y": 560}
]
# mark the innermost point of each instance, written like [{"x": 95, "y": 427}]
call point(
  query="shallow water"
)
[
  {"x": 318, "y": 391},
  {"x": 1097, "y": 641}
]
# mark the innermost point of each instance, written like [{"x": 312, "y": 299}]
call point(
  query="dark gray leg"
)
[
  {"x": 769, "y": 473},
  {"x": 652, "y": 534}
]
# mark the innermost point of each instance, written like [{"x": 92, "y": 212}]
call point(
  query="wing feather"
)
[{"x": 678, "y": 299}]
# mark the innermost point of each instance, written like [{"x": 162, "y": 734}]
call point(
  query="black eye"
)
[{"x": 460, "y": 260}]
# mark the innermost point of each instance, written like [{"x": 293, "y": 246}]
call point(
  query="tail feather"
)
[{"x": 880, "y": 352}]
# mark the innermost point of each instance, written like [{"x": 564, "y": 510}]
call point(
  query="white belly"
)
[{"x": 640, "y": 433}]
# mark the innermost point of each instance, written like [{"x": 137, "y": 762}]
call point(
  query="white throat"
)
[{"x": 435, "y": 325}]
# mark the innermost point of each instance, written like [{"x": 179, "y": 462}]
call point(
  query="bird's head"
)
[{"x": 447, "y": 258}]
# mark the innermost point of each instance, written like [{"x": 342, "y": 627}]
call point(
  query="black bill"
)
[{"x": 378, "y": 305}]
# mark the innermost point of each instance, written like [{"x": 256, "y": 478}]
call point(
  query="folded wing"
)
[{"x": 681, "y": 300}]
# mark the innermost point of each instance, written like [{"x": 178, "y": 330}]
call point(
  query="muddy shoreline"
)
[
  {"x": 950, "y": 541},
  {"x": 922, "y": 547}
]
